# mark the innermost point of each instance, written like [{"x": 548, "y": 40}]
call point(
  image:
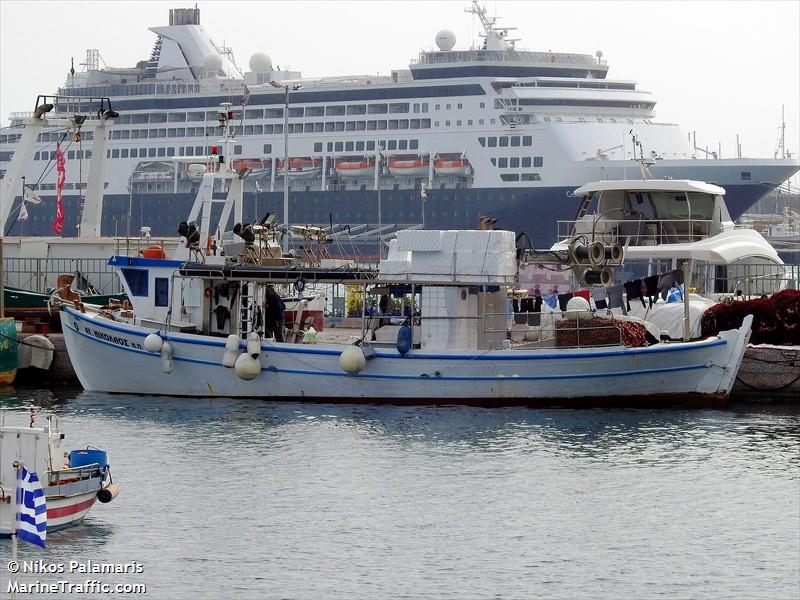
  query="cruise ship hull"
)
[{"x": 534, "y": 211}]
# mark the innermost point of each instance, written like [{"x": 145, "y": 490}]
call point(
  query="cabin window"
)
[
  {"x": 538, "y": 161},
  {"x": 359, "y": 145},
  {"x": 137, "y": 281},
  {"x": 492, "y": 142},
  {"x": 509, "y": 176},
  {"x": 339, "y": 146},
  {"x": 392, "y": 145},
  {"x": 296, "y": 111},
  {"x": 378, "y": 109},
  {"x": 399, "y": 107},
  {"x": 334, "y": 110},
  {"x": 177, "y": 117},
  {"x": 315, "y": 111},
  {"x": 329, "y": 146},
  {"x": 162, "y": 291},
  {"x": 273, "y": 113},
  {"x": 348, "y": 146},
  {"x": 135, "y": 153},
  {"x": 531, "y": 177},
  {"x": 502, "y": 162},
  {"x": 503, "y": 142},
  {"x": 370, "y": 145},
  {"x": 745, "y": 175},
  {"x": 317, "y": 146},
  {"x": 124, "y": 153},
  {"x": 515, "y": 140},
  {"x": 514, "y": 162},
  {"x": 115, "y": 153},
  {"x": 526, "y": 161},
  {"x": 356, "y": 109},
  {"x": 402, "y": 145}
]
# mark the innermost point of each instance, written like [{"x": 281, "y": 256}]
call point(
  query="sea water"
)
[{"x": 253, "y": 499}]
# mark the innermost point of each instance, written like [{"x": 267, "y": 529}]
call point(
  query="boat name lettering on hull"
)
[{"x": 119, "y": 341}]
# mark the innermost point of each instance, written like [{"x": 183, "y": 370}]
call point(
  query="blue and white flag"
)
[{"x": 31, "y": 508}]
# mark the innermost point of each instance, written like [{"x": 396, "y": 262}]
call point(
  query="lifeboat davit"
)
[
  {"x": 414, "y": 167},
  {"x": 458, "y": 167},
  {"x": 354, "y": 168},
  {"x": 256, "y": 166},
  {"x": 301, "y": 168}
]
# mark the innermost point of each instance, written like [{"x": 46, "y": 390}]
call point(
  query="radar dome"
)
[
  {"x": 260, "y": 63},
  {"x": 212, "y": 63},
  {"x": 445, "y": 40}
]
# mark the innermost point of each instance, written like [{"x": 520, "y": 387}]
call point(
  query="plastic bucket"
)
[{"x": 81, "y": 458}]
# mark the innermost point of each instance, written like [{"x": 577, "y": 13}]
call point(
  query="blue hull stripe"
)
[
  {"x": 466, "y": 357},
  {"x": 425, "y": 377}
]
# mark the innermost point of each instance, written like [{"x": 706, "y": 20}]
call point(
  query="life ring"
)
[
  {"x": 300, "y": 285},
  {"x": 208, "y": 292}
]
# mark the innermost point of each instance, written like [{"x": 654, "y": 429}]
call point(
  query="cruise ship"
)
[{"x": 492, "y": 130}]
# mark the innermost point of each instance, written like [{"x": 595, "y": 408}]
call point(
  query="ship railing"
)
[
  {"x": 40, "y": 274},
  {"x": 73, "y": 474},
  {"x": 638, "y": 232}
]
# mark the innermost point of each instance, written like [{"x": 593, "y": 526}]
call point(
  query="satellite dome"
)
[
  {"x": 212, "y": 63},
  {"x": 445, "y": 40},
  {"x": 260, "y": 63}
]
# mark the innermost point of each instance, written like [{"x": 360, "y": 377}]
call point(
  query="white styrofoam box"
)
[
  {"x": 394, "y": 253},
  {"x": 419, "y": 240},
  {"x": 394, "y": 267},
  {"x": 491, "y": 241}
]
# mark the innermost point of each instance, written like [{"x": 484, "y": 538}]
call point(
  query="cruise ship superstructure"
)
[{"x": 492, "y": 130}]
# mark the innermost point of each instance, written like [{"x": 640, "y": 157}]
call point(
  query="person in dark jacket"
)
[{"x": 274, "y": 308}]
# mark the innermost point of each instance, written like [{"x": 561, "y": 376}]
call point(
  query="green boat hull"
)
[
  {"x": 8, "y": 350},
  {"x": 18, "y": 300}
]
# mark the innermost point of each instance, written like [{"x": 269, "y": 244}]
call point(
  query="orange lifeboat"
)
[
  {"x": 154, "y": 252},
  {"x": 414, "y": 167},
  {"x": 458, "y": 167},
  {"x": 355, "y": 168},
  {"x": 301, "y": 168}
]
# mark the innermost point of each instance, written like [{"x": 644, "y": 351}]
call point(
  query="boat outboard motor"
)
[{"x": 245, "y": 231}]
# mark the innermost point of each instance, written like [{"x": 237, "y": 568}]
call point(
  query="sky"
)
[{"x": 718, "y": 68}]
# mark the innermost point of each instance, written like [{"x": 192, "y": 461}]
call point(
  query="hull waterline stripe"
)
[{"x": 65, "y": 511}]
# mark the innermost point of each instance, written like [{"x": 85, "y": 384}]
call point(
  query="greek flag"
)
[{"x": 31, "y": 509}]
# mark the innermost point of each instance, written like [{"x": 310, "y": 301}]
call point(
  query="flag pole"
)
[{"x": 16, "y": 521}]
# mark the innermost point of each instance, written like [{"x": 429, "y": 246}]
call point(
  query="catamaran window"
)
[
  {"x": 538, "y": 161},
  {"x": 115, "y": 153},
  {"x": 378, "y": 109},
  {"x": 170, "y": 152},
  {"x": 503, "y": 142},
  {"x": 137, "y": 281},
  {"x": 370, "y": 145},
  {"x": 515, "y": 140},
  {"x": 273, "y": 113},
  {"x": 277, "y": 129},
  {"x": 392, "y": 145},
  {"x": 162, "y": 151},
  {"x": 350, "y": 126},
  {"x": 329, "y": 126},
  {"x": 267, "y": 128},
  {"x": 348, "y": 146},
  {"x": 124, "y": 153},
  {"x": 526, "y": 161},
  {"x": 372, "y": 125},
  {"x": 402, "y": 124},
  {"x": 414, "y": 123},
  {"x": 339, "y": 126},
  {"x": 509, "y": 176},
  {"x": 334, "y": 110},
  {"x": 402, "y": 145},
  {"x": 180, "y": 132},
  {"x": 315, "y": 111},
  {"x": 745, "y": 175},
  {"x": 296, "y": 111},
  {"x": 492, "y": 142},
  {"x": 198, "y": 151},
  {"x": 162, "y": 133},
  {"x": 338, "y": 146},
  {"x": 171, "y": 132},
  {"x": 361, "y": 125},
  {"x": 527, "y": 140},
  {"x": 502, "y": 162},
  {"x": 317, "y": 146},
  {"x": 514, "y": 162},
  {"x": 413, "y": 144},
  {"x": 531, "y": 177},
  {"x": 308, "y": 128},
  {"x": 399, "y": 107},
  {"x": 382, "y": 125},
  {"x": 359, "y": 146},
  {"x": 319, "y": 127}
]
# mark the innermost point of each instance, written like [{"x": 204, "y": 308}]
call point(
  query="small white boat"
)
[{"x": 70, "y": 488}]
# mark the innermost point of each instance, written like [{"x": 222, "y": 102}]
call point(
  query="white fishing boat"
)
[{"x": 72, "y": 482}]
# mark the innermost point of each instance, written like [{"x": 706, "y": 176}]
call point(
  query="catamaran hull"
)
[{"x": 108, "y": 357}]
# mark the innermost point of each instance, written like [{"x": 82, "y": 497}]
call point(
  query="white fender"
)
[
  {"x": 253, "y": 344},
  {"x": 152, "y": 343},
  {"x": 352, "y": 360},
  {"x": 166, "y": 357},
  {"x": 231, "y": 351},
  {"x": 247, "y": 367}
]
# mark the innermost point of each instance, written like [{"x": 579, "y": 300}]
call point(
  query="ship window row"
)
[
  {"x": 165, "y": 152},
  {"x": 585, "y": 102},
  {"x": 505, "y": 141},
  {"x": 67, "y": 186},
  {"x": 10, "y": 138},
  {"x": 520, "y": 177},
  {"x": 132, "y": 89},
  {"x": 515, "y": 162},
  {"x": 57, "y": 136},
  {"x": 71, "y": 155}
]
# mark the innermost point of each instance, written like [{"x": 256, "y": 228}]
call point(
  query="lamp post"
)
[
  {"x": 380, "y": 219},
  {"x": 286, "y": 87}
]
